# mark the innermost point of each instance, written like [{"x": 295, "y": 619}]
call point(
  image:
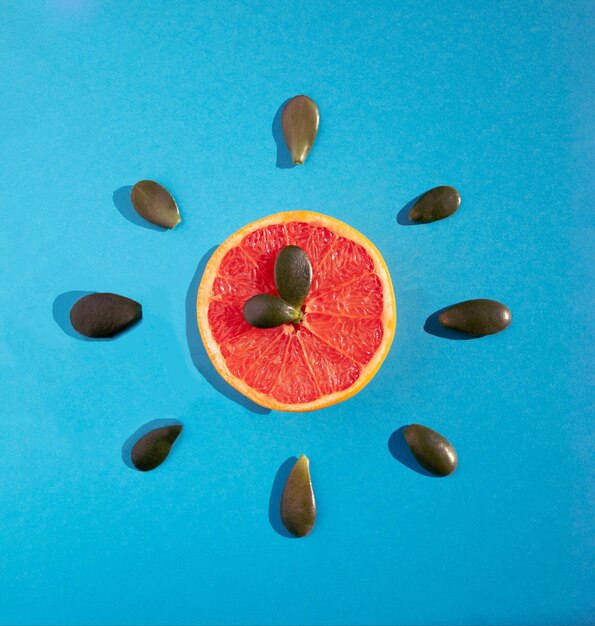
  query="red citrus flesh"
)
[{"x": 348, "y": 314}]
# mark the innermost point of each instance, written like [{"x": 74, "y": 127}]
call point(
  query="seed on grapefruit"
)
[{"x": 348, "y": 323}]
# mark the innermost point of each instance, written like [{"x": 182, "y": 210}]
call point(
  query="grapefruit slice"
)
[{"x": 348, "y": 323}]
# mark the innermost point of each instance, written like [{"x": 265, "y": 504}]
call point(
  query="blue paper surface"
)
[{"x": 494, "y": 98}]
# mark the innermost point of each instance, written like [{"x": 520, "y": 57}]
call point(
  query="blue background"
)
[{"x": 495, "y": 98}]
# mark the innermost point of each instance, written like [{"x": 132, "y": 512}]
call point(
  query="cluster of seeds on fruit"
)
[
  {"x": 105, "y": 315},
  {"x": 293, "y": 279}
]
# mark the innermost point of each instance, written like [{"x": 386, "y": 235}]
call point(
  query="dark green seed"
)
[
  {"x": 298, "y": 507},
  {"x": 267, "y": 311},
  {"x": 152, "y": 449},
  {"x": 154, "y": 203},
  {"x": 300, "y": 121},
  {"x": 431, "y": 449},
  {"x": 293, "y": 275},
  {"x": 103, "y": 315},
  {"x": 477, "y": 317},
  {"x": 435, "y": 204}
]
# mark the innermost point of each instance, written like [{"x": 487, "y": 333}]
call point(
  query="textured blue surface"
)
[{"x": 495, "y": 98}]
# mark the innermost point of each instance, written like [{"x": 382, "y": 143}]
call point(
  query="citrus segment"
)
[
  {"x": 354, "y": 337},
  {"x": 361, "y": 297},
  {"x": 348, "y": 316},
  {"x": 343, "y": 261},
  {"x": 295, "y": 383},
  {"x": 226, "y": 321},
  {"x": 262, "y": 246},
  {"x": 264, "y": 374},
  {"x": 245, "y": 350},
  {"x": 335, "y": 370}
]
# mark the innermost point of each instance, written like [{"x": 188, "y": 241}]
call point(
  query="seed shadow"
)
[
  {"x": 61, "y": 313},
  {"x": 122, "y": 202},
  {"x": 397, "y": 446},
  {"x": 403, "y": 214},
  {"x": 275, "y": 497},
  {"x": 284, "y": 160},
  {"x": 433, "y": 327},
  {"x": 199, "y": 355},
  {"x": 141, "y": 432}
]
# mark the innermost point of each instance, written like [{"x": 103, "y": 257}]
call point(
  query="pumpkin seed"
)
[
  {"x": 103, "y": 315},
  {"x": 153, "y": 448},
  {"x": 300, "y": 121},
  {"x": 293, "y": 275},
  {"x": 477, "y": 317},
  {"x": 267, "y": 311},
  {"x": 431, "y": 449},
  {"x": 298, "y": 506},
  {"x": 435, "y": 204},
  {"x": 154, "y": 203}
]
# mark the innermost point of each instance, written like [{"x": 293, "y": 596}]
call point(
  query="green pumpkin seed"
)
[
  {"x": 300, "y": 121},
  {"x": 293, "y": 275},
  {"x": 154, "y": 203},
  {"x": 477, "y": 317},
  {"x": 267, "y": 311},
  {"x": 298, "y": 506},
  {"x": 435, "y": 204},
  {"x": 153, "y": 448},
  {"x": 431, "y": 449},
  {"x": 104, "y": 315}
]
